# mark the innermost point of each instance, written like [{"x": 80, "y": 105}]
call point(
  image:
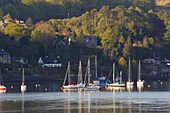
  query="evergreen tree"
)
[
  {"x": 145, "y": 42},
  {"x": 122, "y": 64},
  {"x": 127, "y": 50}
]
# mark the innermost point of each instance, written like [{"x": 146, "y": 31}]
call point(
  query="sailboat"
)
[
  {"x": 23, "y": 86},
  {"x": 80, "y": 78},
  {"x": 139, "y": 82},
  {"x": 100, "y": 80},
  {"x": 69, "y": 86},
  {"x": 129, "y": 83},
  {"x": 116, "y": 83},
  {"x": 2, "y": 87},
  {"x": 89, "y": 86}
]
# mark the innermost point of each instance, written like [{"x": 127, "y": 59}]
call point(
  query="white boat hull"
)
[
  {"x": 116, "y": 85},
  {"x": 2, "y": 89},
  {"x": 80, "y": 85},
  {"x": 129, "y": 84},
  {"x": 23, "y": 88},
  {"x": 70, "y": 87},
  {"x": 140, "y": 82},
  {"x": 92, "y": 88}
]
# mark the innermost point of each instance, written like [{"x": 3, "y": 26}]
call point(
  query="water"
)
[{"x": 154, "y": 97}]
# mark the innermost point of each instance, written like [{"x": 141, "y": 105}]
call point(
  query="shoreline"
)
[
  {"x": 54, "y": 78},
  {"x": 31, "y": 78}
]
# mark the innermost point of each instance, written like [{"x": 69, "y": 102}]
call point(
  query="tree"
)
[
  {"x": 45, "y": 34},
  {"x": 27, "y": 2},
  {"x": 110, "y": 42},
  {"x": 122, "y": 64},
  {"x": 7, "y": 17},
  {"x": 17, "y": 31},
  {"x": 145, "y": 42},
  {"x": 127, "y": 50},
  {"x": 1, "y": 14},
  {"x": 29, "y": 22}
]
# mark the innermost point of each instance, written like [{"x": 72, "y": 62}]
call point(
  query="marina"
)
[{"x": 56, "y": 55}]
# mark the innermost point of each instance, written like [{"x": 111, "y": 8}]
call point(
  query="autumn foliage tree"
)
[{"x": 17, "y": 30}]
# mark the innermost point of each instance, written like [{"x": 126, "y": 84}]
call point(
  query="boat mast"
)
[
  {"x": 96, "y": 65},
  {"x": 129, "y": 70},
  {"x": 23, "y": 76},
  {"x": 80, "y": 79},
  {"x": 69, "y": 78},
  {"x": 66, "y": 74},
  {"x": 113, "y": 72},
  {"x": 139, "y": 70},
  {"x": 88, "y": 71},
  {"x": 0, "y": 77},
  {"x": 120, "y": 76}
]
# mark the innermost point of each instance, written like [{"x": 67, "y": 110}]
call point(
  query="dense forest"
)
[{"x": 124, "y": 28}]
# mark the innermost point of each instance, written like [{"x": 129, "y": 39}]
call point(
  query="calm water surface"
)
[{"x": 154, "y": 97}]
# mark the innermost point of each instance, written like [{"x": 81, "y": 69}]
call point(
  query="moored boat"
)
[
  {"x": 23, "y": 86},
  {"x": 129, "y": 83},
  {"x": 90, "y": 86},
  {"x": 2, "y": 87},
  {"x": 139, "y": 82},
  {"x": 115, "y": 83},
  {"x": 80, "y": 77},
  {"x": 68, "y": 86}
]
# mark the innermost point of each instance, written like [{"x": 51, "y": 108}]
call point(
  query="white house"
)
[
  {"x": 5, "y": 57},
  {"x": 49, "y": 62},
  {"x": 152, "y": 60}
]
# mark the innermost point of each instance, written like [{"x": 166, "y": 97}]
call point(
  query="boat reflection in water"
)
[
  {"x": 140, "y": 88},
  {"x": 79, "y": 102},
  {"x": 67, "y": 102},
  {"x": 23, "y": 106},
  {"x": 88, "y": 105},
  {"x": 115, "y": 89},
  {"x": 129, "y": 88}
]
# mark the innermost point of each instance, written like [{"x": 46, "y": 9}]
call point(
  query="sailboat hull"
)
[
  {"x": 2, "y": 89},
  {"x": 129, "y": 84},
  {"x": 80, "y": 85},
  {"x": 92, "y": 87},
  {"x": 116, "y": 85},
  {"x": 140, "y": 82},
  {"x": 23, "y": 88},
  {"x": 70, "y": 87}
]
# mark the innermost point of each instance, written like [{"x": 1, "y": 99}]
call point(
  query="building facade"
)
[{"x": 5, "y": 57}]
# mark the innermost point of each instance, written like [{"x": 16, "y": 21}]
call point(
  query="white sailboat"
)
[
  {"x": 129, "y": 83},
  {"x": 80, "y": 77},
  {"x": 23, "y": 86},
  {"x": 2, "y": 87},
  {"x": 139, "y": 82},
  {"x": 116, "y": 83},
  {"x": 89, "y": 86},
  {"x": 69, "y": 86}
]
